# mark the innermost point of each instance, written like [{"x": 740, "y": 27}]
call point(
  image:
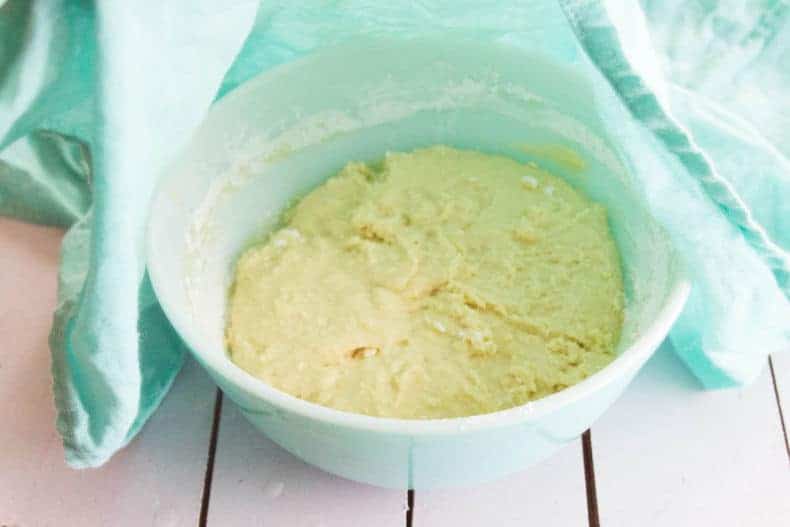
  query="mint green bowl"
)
[{"x": 285, "y": 131}]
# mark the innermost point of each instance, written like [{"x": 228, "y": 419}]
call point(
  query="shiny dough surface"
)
[{"x": 435, "y": 283}]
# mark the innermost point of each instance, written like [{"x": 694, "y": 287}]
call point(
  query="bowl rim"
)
[{"x": 220, "y": 364}]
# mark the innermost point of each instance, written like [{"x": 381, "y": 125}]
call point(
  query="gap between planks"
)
[
  {"x": 409, "y": 507},
  {"x": 593, "y": 518},
  {"x": 212, "y": 451}
]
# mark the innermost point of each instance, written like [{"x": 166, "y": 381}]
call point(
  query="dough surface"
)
[{"x": 436, "y": 283}]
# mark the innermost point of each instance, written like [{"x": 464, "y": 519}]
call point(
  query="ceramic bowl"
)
[{"x": 285, "y": 131}]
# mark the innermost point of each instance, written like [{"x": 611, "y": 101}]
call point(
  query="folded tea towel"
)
[{"x": 96, "y": 95}]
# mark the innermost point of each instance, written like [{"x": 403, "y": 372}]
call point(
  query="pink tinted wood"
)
[
  {"x": 782, "y": 373},
  {"x": 258, "y": 483},
  {"x": 157, "y": 480},
  {"x": 669, "y": 453},
  {"x": 550, "y": 493},
  {"x": 781, "y": 362}
]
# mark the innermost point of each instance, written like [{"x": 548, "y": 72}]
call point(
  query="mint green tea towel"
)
[
  {"x": 97, "y": 96},
  {"x": 708, "y": 81}
]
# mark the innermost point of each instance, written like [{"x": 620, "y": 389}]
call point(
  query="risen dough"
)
[{"x": 437, "y": 283}]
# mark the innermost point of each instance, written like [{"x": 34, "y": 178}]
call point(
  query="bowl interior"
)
[{"x": 286, "y": 131}]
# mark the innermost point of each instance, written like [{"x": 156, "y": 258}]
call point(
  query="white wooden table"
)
[{"x": 666, "y": 454}]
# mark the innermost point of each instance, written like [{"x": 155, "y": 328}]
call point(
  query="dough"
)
[{"x": 436, "y": 283}]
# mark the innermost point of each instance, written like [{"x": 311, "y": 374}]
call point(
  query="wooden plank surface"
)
[
  {"x": 257, "y": 483},
  {"x": 550, "y": 493},
  {"x": 157, "y": 480},
  {"x": 668, "y": 453}
]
